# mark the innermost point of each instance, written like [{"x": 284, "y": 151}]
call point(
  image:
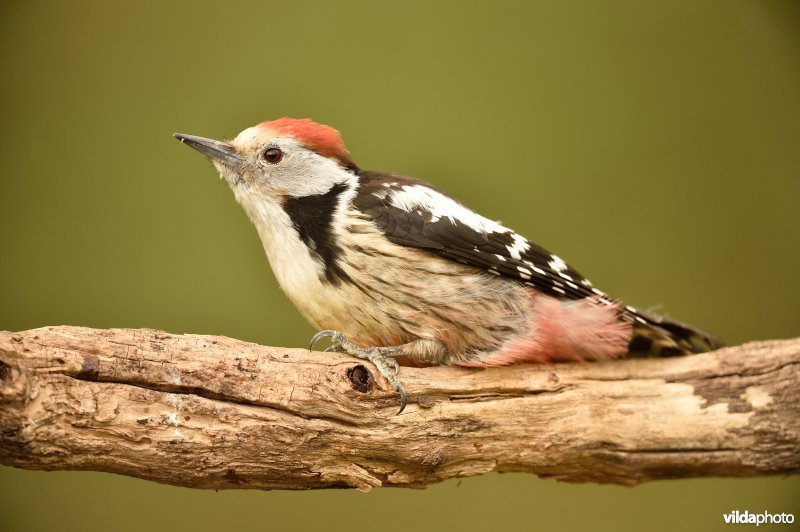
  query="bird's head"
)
[{"x": 279, "y": 159}]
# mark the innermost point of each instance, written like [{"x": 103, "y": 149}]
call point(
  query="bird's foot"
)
[{"x": 381, "y": 357}]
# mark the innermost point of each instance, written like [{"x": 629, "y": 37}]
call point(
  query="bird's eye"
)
[{"x": 273, "y": 155}]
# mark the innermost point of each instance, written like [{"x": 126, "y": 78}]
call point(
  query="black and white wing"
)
[{"x": 413, "y": 213}]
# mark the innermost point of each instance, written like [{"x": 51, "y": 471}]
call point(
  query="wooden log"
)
[{"x": 214, "y": 412}]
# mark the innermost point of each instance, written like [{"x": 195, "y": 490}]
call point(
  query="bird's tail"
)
[{"x": 658, "y": 336}]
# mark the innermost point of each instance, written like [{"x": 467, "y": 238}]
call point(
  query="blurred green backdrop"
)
[{"x": 654, "y": 145}]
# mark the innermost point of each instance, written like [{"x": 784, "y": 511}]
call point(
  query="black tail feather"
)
[{"x": 658, "y": 336}]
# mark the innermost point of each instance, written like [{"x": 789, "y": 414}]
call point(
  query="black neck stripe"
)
[{"x": 312, "y": 217}]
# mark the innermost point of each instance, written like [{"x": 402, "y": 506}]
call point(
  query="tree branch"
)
[{"x": 213, "y": 412}]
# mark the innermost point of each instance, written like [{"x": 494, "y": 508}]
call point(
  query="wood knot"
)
[
  {"x": 90, "y": 369},
  {"x": 360, "y": 378},
  {"x": 5, "y": 371},
  {"x": 434, "y": 458},
  {"x": 425, "y": 401}
]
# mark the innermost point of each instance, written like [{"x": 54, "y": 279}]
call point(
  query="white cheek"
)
[{"x": 304, "y": 173}]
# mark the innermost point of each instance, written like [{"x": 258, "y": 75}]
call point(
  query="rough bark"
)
[{"x": 213, "y": 412}]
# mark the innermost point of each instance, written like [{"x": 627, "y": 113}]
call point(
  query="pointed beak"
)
[{"x": 217, "y": 150}]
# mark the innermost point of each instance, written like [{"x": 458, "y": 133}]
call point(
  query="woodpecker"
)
[{"x": 394, "y": 270}]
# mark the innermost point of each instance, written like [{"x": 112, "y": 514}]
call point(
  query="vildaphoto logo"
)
[{"x": 746, "y": 518}]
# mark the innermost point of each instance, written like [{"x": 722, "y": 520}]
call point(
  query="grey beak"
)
[{"x": 220, "y": 151}]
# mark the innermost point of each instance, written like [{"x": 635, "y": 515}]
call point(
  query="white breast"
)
[{"x": 297, "y": 270}]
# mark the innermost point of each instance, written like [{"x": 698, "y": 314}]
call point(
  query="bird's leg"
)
[{"x": 381, "y": 357}]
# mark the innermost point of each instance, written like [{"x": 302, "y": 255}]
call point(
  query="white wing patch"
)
[{"x": 418, "y": 197}]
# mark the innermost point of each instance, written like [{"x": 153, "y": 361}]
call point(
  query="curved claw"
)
[
  {"x": 403, "y": 400},
  {"x": 389, "y": 368},
  {"x": 319, "y": 336}
]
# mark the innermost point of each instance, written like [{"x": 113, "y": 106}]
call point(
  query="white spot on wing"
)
[
  {"x": 557, "y": 263},
  {"x": 519, "y": 246}
]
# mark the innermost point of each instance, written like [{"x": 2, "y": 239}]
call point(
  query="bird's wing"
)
[{"x": 413, "y": 213}]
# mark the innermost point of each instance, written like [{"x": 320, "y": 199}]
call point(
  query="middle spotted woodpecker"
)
[{"x": 391, "y": 268}]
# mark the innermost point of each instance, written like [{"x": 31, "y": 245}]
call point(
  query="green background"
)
[{"x": 654, "y": 145}]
